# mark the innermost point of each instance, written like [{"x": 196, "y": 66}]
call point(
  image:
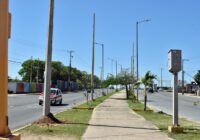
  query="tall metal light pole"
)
[
  {"x": 31, "y": 72},
  {"x": 93, "y": 44},
  {"x": 133, "y": 61},
  {"x": 38, "y": 67},
  {"x": 161, "y": 80},
  {"x": 102, "y": 45},
  {"x": 120, "y": 67},
  {"x": 137, "y": 70},
  {"x": 47, "y": 81},
  {"x": 116, "y": 67},
  {"x": 70, "y": 64},
  {"x": 112, "y": 60},
  {"x": 183, "y": 72},
  {"x": 131, "y": 65}
]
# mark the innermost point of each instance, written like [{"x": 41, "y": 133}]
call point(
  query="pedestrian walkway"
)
[{"x": 114, "y": 120}]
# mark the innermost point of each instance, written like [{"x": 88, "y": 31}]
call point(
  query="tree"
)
[
  {"x": 125, "y": 79},
  {"x": 34, "y": 66},
  {"x": 197, "y": 80},
  {"x": 147, "y": 80},
  {"x": 109, "y": 81}
]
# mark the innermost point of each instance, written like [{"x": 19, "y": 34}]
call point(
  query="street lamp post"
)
[
  {"x": 112, "y": 60},
  {"x": 183, "y": 72},
  {"x": 137, "y": 70},
  {"x": 93, "y": 44},
  {"x": 102, "y": 67},
  {"x": 102, "y": 72}
]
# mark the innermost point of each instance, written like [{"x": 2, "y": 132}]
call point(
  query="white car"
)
[{"x": 55, "y": 96}]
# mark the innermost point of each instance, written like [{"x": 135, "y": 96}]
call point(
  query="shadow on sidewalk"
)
[
  {"x": 113, "y": 126},
  {"x": 118, "y": 98}
]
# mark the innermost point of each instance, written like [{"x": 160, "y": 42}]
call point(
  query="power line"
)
[{"x": 16, "y": 62}]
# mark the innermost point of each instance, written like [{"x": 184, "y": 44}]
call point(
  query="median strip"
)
[
  {"x": 76, "y": 121},
  {"x": 163, "y": 120}
]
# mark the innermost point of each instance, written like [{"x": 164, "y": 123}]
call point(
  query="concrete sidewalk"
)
[{"x": 114, "y": 120}]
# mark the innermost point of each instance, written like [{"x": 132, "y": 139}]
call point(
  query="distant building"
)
[{"x": 191, "y": 88}]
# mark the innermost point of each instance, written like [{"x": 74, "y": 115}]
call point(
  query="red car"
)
[{"x": 55, "y": 97}]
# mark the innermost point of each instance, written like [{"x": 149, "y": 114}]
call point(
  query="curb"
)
[{"x": 18, "y": 129}]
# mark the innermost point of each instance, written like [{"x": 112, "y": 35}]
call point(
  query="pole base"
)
[
  {"x": 11, "y": 137},
  {"x": 175, "y": 129}
]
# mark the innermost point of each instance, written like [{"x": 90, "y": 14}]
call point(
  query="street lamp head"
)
[
  {"x": 99, "y": 43},
  {"x": 146, "y": 20}
]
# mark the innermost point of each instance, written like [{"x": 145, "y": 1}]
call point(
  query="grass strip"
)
[
  {"x": 162, "y": 121},
  {"x": 78, "y": 122}
]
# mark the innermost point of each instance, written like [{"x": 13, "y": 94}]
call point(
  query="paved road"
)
[
  {"x": 163, "y": 101},
  {"x": 24, "y": 109}
]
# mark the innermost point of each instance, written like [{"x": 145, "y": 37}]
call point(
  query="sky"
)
[{"x": 174, "y": 25}]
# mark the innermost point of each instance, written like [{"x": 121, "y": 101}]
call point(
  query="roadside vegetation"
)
[
  {"x": 36, "y": 69},
  {"x": 75, "y": 122},
  {"x": 162, "y": 121}
]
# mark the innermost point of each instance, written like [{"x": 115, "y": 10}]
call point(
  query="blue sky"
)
[{"x": 174, "y": 25}]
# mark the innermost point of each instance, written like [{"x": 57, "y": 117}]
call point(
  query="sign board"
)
[{"x": 174, "y": 61}]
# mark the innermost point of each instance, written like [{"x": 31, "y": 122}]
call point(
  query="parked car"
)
[
  {"x": 55, "y": 96},
  {"x": 150, "y": 90}
]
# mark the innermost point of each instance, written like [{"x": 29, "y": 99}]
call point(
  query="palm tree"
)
[{"x": 147, "y": 80}]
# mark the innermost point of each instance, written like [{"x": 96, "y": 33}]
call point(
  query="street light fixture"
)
[{"x": 137, "y": 23}]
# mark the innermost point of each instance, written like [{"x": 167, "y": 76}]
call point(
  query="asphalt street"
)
[
  {"x": 24, "y": 109},
  {"x": 163, "y": 101}
]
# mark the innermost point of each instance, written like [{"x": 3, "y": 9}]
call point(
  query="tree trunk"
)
[
  {"x": 145, "y": 99},
  {"x": 126, "y": 92},
  {"x": 198, "y": 92}
]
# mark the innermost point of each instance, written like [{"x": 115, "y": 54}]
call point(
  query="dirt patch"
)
[{"x": 50, "y": 119}]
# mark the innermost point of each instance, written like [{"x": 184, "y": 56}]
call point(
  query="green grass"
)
[
  {"x": 79, "y": 118},
  {"x": 162, "y": 121}
]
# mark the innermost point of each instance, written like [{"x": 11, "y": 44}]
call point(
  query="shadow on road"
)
[{"x": 60, "y": 105}]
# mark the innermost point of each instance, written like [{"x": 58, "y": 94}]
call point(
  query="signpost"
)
[
  {"x": 5, "y": 19},
  {"x": 174, "y": 66}
]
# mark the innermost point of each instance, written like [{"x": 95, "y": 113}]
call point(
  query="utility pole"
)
[
  {"x": 38, "y": 67},
  {"x": 5, "y": 32},
  {"x": 116, "y": 67},
  {"x": 161, "y": 81},
  {"x": 70, "y": 64},
  {"x": 47, "y": 81},
  {"x": 93, "y": 45},
  {"x": 31, "y": 73},
  {"x": 183, "y": 73}
]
